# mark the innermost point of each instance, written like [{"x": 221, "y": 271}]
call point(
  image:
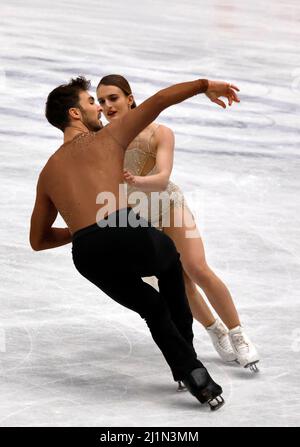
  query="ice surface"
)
[{"x": 69, "y": 355}]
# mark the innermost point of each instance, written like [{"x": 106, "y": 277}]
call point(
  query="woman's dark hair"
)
[
  {"x": 118, "y": 81},
  {"x": 62, "y": 98}
]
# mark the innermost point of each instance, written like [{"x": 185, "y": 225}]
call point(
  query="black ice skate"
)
[
  {"x": 181, "y": 387},
  {"x": 200, "y": 384}
]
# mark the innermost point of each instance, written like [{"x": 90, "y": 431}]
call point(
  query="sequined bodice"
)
[
  {"x": 140, "y": 159},
  {"x": 140, "y": 156}
]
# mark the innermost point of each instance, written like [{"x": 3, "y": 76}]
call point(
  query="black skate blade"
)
[
  {"x": 216, "y": 403},
  {"x": 253, "y": 367},
  {"x": 181, "y": 387},
  {"x": 201, "y": 385}
]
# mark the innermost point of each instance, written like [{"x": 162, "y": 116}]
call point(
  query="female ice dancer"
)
[{"x": 148, "y": 166}]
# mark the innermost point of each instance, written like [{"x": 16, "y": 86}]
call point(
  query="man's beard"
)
[{"x": 92, "y": 126}]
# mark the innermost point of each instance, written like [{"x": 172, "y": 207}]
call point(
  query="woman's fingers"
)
[
  {"x": 127, "y": 173},
  {"x": 128, "y": 176}
]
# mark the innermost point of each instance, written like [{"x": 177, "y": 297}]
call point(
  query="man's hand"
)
[{"x": 216, "y": 89}]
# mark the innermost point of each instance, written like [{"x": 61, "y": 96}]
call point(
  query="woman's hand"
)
[
  {"x": 131, "y": 179},
  {"x": 218, "y": 88}
]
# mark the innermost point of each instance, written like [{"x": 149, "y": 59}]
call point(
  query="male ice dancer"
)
[{"x": 114, "y": 252}]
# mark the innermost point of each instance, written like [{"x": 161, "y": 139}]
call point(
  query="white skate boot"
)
[
  {"x": 219, "y": 335},
  {"x": 244, "y": 349}
]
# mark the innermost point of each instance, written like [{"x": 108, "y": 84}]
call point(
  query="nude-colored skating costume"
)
[{"x": 140, "y": 158}]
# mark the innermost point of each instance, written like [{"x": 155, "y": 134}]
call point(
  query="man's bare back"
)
[
  {"x": 78, "y": 171},
  {"x": 90, "y": 163}
]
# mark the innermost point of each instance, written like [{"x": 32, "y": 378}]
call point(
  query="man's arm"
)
[
  {"x": 127, "y": 128},
  {"x": 42, "y": 236}
]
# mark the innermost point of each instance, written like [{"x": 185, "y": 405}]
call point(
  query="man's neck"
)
[{"x": 73, "y": 130}]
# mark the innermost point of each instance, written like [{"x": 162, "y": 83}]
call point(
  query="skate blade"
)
[
  {"x": 253, "y": 367},
  {"x": 181, "y": 388},
  {"x": 216, "y": 403}
]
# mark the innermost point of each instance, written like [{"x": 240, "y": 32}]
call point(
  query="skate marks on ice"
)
[
  {"x": 245, "y": 163},
  {"x": 58, "y": 368}
]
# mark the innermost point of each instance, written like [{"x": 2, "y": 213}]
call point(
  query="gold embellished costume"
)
[{"x": 140, "y": 160}]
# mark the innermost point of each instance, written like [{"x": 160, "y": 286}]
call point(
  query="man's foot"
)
[
  {"x": 201, "y": 385},
  {"x": 181, "y": 387}
]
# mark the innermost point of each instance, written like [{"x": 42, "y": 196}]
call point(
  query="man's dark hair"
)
[{"x": 62, "y": 98}]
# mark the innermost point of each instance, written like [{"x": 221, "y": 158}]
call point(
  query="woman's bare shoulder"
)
[{"x": 161, "y": 131}]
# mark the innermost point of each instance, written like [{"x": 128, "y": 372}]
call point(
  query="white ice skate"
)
[
  {"x": 219, "y": 335},
  {"x": 244, "y": 349}
]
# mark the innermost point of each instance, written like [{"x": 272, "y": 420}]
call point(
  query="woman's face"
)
[{"x": 113, "y": 101}]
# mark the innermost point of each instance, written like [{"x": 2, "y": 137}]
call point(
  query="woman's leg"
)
[
  {"x": 193, "y": 260},
  {"x": 200, "y": 310}
]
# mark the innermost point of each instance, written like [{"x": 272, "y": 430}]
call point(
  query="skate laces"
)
[
  {"x": 221, "y": 334},
  {"x": 240, "y": 342}
]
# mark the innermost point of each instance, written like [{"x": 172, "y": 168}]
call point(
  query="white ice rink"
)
[{"x": 71, "y": 356}]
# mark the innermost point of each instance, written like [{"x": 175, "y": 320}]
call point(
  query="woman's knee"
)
[{"x": 199, "y": 273}]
